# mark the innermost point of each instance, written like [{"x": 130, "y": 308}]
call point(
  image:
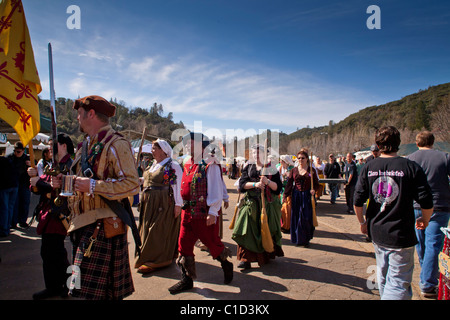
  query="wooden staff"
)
[
  {"x": 313, "y": 200},
  {"x": 144, "y": 134},
  {"x": 31, "y": 152},
  {"x": 138, "y": 162},
  {"x": 266, "y": 237},
  {"x": 233, "y": 220}
]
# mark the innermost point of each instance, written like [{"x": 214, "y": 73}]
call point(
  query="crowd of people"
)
[
  {"x": 15, "y": 191},
  {"x": 400, "y": 203}
]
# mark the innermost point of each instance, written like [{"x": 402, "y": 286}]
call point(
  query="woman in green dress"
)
[
  {"x": 159, "y": 208},
  {"x": 247, "y": 230}
]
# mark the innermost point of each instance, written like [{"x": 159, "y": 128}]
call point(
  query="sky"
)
[{"x": 243, "y": 65}]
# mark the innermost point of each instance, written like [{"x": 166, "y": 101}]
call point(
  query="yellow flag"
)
[{"x": 19, "y": 79}]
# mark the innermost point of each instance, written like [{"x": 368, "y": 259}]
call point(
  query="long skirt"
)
[
  {"x": 286, "y": 208},
  {"x": 158, "y": 229},
  {"x": 247, "y": 230},
  {"x": 321, "y": 190},
  {"x": 302, "y": 228},
  {"x": 106, "y": 274}
]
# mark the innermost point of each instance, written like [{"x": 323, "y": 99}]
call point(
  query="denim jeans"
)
[
  {"x": 22, "y": 206},
  {"x": 431, "y": 241},
  {"x": 394, "y": 272},
  {"x": 333, "y": 191},
  {"x": 7, "y": 203}
]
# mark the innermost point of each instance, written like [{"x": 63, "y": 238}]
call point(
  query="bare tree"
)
[{"x": 440, "y": 120}]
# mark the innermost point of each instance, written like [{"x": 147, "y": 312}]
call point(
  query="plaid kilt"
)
[{"x": 106, "y": 274}]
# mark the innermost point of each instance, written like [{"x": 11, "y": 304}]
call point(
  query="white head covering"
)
[
  {"x": 165, "y": 146},
  {"x": 288, "y": 159}
]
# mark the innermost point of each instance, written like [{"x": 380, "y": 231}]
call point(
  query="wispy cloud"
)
[
  {"x": 201, "y": 88},
  {"x": 197, "y": 85}
]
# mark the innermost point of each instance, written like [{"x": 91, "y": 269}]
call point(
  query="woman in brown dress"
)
[{"x": 160, "y": 208}]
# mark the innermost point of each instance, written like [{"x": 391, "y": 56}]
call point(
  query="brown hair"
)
[
  {"x": 425, "y": 139},
  {"x": 387, "y": 139},
  {"x": 304, "y": 152}
]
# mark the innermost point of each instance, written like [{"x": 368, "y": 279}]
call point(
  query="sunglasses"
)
[{"x": 302, "y": 158}]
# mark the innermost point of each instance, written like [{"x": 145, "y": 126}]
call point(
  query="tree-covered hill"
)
[
  {"x": 135, "y": 119},
  {"x": 427, "y": 109}
]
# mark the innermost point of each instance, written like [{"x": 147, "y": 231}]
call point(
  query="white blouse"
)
[
  {"x": 176, "y": 187},
  {"x": 217, "y": 190}
]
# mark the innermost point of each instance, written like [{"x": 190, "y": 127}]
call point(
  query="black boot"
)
[
  {"x": 188, "y": 273},
  {"x": 227, "y": 267},
  {"x": 186, "y": 283}
]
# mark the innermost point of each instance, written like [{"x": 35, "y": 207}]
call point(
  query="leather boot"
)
[
  {"x": 227, "y": 268},
  {"x": 188, "y": 273},
  {"x": 186, "y": 283}
]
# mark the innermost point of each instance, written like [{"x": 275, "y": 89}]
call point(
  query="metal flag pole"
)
[
  {"x": 55, "y": 167},
  {"x": 52, "y": 106}
]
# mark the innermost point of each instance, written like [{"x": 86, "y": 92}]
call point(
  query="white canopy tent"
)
[{"x": 146, "y": 148}]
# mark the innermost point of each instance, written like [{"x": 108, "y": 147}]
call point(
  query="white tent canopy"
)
[{"x": 146, "y": 148}]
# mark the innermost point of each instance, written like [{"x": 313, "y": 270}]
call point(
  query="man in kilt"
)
[{"x": 104, "y": 171}]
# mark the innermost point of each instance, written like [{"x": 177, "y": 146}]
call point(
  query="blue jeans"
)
[
  {"x": 394, "y": 272},
  {"x": 333, "y": 191},
  {"x": 7, "y": 204},
  {"x": 22, "y": 206},
  {"x": 431, "y": 241}
]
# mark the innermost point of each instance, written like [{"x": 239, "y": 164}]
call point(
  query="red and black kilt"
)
[{"x": 106, "y": 274}]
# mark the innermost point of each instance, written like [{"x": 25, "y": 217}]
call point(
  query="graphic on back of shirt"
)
[{"x": 385, "y": 190}]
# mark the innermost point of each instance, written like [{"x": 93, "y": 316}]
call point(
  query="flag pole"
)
[
  {"x": 55, "y": 167},
  {"x": 52, "y": 106},
  {"x": 313, "y": 199}
]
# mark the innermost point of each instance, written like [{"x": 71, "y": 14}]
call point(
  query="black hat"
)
[
  {"x": 19, "y": 145},
  {"x": 374, "y": 147},
  {"x": 196, "y": 136}
]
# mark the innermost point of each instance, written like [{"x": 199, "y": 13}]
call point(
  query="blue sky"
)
[{"x": 247, "y": 64}]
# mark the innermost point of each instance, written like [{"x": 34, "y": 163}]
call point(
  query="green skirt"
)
[{"x": 247, "y": 229}]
